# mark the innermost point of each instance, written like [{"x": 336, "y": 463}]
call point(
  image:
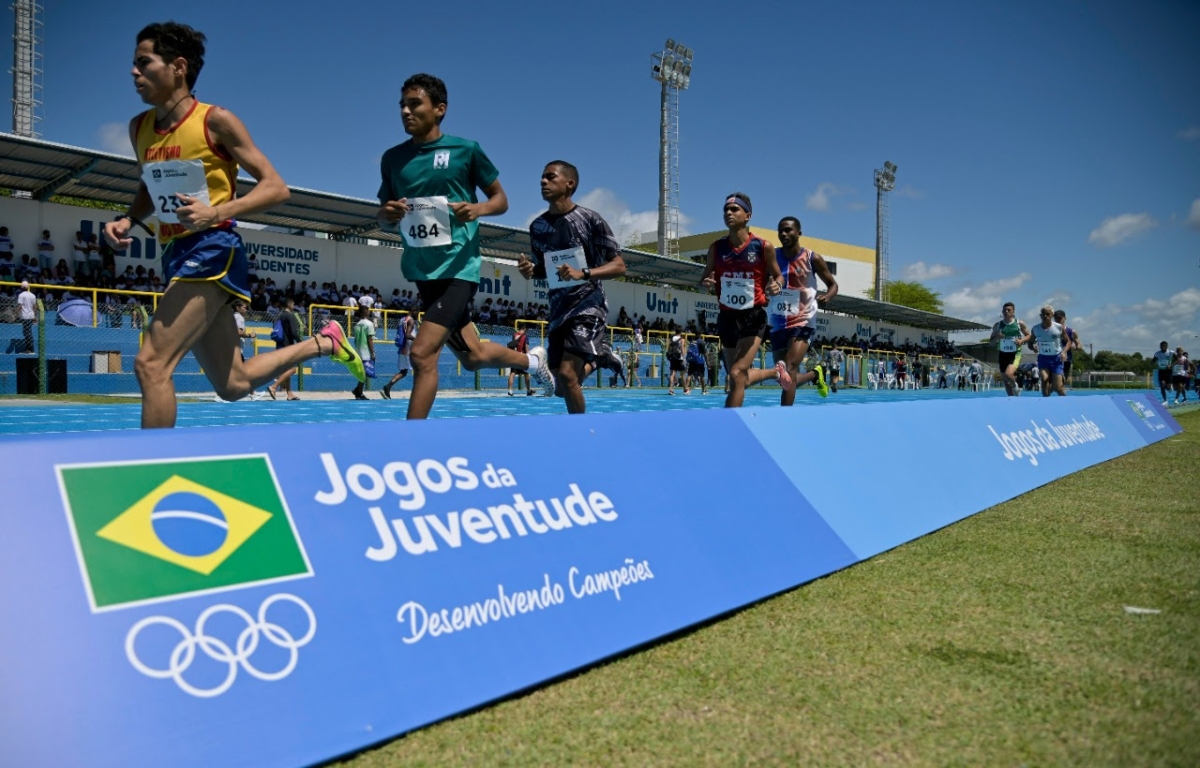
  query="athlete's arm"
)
[
  {"x": 231, "y": 135},
  {"x": 495, "y": 205},
  {"x": 707, "y": 279},
  {"x": 774, "y": 276},
  {"x": 117, "y": 232},
  {"x": 823, "y": 272},
  {"x": 996, "y": 331},
  {"x": 1026, "y": 336}
]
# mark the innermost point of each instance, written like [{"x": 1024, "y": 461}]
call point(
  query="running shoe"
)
[
  {"x": 541, "y": 370},
  {"x": 822, "y": 387},
  {"x": 785, "y": 380},
  {"x": 343, "y": 352},
  {"x": 386, "y": 392}
]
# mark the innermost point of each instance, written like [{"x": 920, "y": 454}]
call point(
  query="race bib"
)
[
  {"x": 168, "y": 179},
  {"x": 737, "y": 292},
  {"x": 786, "y": 302},
  {"x": 1048, "y": 349},
  {"x": 1180, "y": 370},
  {"x": 572, "y": 257},
  {"x": 427, "y": 223},
  {"x": 1163, "y": 363},
  {"x": 1008, "y": 345}
]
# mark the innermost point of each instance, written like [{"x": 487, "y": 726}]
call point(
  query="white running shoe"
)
[{"x": 541, "y": 370}]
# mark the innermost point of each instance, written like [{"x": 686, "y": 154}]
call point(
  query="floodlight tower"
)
[
  {"x": 672, "y": 67},
  {"x": 885, "y": 182},
  {"x": 27, "y": 67}
]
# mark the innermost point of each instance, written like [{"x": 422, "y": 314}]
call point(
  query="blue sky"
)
[{"x": 1047, "y": 151}]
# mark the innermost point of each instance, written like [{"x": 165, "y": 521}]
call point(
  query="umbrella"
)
[{"x": 75, "y": 312}]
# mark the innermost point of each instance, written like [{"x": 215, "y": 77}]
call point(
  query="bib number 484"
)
[{"x": 422, "y": 232}]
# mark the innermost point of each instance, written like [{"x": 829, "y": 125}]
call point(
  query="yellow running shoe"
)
[
  {"x": 822, "y": 387},
  {"x": 343, "y": 352}
]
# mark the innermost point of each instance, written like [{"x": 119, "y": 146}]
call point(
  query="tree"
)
[{"x": 910, "y": 294}]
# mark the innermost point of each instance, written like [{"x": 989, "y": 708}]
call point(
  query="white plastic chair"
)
[{"x": 872, "y": 381}]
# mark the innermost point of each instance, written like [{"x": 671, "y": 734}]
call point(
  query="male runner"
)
[
  {"x": 1181, "y": 373},
  {"x": 793, "y": 311},
  {"x": 428, "y": 190},
  {"x": 1050, "y": 341},
  {"x": 405, "y": 333},
  {"x": 697, "y": 352},
  {"x": 189, "y": 154},
  {"x": 1060, "y": 317},
  {"x": 1164, "y": 358},
  {"x": 573, "y": 250},
  {"x": 1011, "y": 334},
  {"x": 743, "y": 272}
]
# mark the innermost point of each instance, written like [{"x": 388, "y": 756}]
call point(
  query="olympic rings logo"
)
[{"x": 218, "y": 650}]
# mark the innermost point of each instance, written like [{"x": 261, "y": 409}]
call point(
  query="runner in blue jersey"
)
[
  {"x": 573, "y": 250},
  {"x": 1060, "y": 317}
]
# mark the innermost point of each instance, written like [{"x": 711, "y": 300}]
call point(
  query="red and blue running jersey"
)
[{"x": 748, "y": 261}]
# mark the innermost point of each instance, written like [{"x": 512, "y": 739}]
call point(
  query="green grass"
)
[
  {"x": 1001, "y": 640},
  {"x": 74, "y": 398}
]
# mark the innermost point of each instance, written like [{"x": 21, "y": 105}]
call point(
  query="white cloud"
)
[
  {"x": 1143, "y": 325},
  {"x": 982, "y": 302},
  {"x": 630, "y": 227},
  {"x": 1193, "y": 219},
  {"x": 1117, "y": 229},
  {"x": 822, "y": 198},
  {"x": 1191, "y": 133},
  {"x": 910, "y": 192},
  {"x": 920, "y": 271},
  {"x": 114, "y": 138}
]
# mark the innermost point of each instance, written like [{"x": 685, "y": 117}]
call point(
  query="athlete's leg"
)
[
  {"x": 185, "y": 312},
  {"x": 424, "y": 354},
  {"x": 569, "y": 375},
  {"x": 218, "y": 354},
  {"x": 1044, "y": 375},
  {"x": 739, "y": 360},
  {"x": 797, "y": 349}
]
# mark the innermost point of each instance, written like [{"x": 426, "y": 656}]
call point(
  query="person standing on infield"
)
[
  {"x": 573, "y": 250},
  {"x": 428, "y": 192},
  {"x": 189, "y": 154},
  {"x": 743, "y": 272},
  {"x": 406, "y": 331},
  {"x": 793, "y": 311},
  {"x": 1010, "y": 334}
]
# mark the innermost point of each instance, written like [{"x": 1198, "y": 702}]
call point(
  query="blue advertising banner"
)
[{"x": 283, "y": 595}]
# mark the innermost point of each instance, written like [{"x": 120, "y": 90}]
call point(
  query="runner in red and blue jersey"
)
[
  {"x": 793, "y": 312},
  {"x": 743, "y": 272}
]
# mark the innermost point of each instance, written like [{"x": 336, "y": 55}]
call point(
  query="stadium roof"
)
[{"x": 45, "y": 169}]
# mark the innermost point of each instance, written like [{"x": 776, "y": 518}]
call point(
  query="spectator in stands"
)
[
  {"x": 519, "y": 342},
  {"x": 252, "y": 269},
  {"x": 27, "y": 304},
  {"x": 45, "y": 248},
  {"x": 79, "y": 254},
  {"x": 62, "y": 273},
  {"x": 7, "y": 268}
]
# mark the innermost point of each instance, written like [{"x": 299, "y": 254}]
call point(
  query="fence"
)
[{"x": 92, "y": 336}]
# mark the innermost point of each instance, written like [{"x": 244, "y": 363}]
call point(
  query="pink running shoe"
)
[{"x": 785, "y": 380}]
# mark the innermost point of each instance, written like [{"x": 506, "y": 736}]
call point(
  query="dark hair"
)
[
  {"x": 433, "y": 87},
  {"x": 792, "y": 219},
  {"x": 172, "y": 41},
  {"x": 571, "y": 171},
  {"x": 1009, "y": 304}
]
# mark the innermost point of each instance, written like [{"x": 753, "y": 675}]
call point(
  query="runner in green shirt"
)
[{"x": 428, "y": 193}]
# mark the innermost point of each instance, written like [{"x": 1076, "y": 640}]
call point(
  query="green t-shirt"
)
[{"x": 447, "y": 167}]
